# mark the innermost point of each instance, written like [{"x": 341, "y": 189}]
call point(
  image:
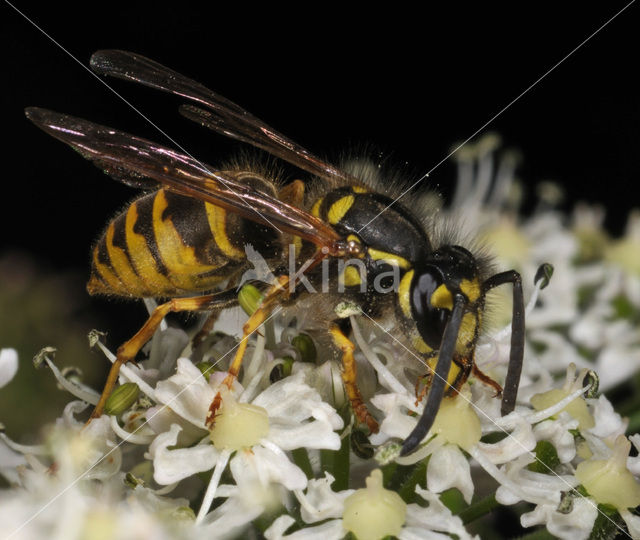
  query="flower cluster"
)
[{"x": 285, "y": 458}]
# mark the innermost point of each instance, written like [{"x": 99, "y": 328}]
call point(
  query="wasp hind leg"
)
[
  {"x": 349, "y": 378},
  {"x": 227, "y": 299},
  {"x": 128, "y": 350}
]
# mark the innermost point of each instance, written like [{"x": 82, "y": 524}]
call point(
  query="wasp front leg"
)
[{"x": 259, "y": 316}]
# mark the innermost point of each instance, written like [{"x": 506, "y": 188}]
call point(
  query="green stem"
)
[
  {"x": 388, "y": 473},
  {"x": 301, "y": 459},
  {"x": 540, "y": 534},
  {"x": 337, "y": 463},
  {"x": 634, "y": 423},
  {"x": 270, "y": 333},
  {"x": 408, "y": 488},
  {"x": 478, "y": 509}
]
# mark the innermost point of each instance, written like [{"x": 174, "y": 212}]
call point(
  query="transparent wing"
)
[
  {"x": 222, "y": 116},
  {"x": 142, "y": 163}
]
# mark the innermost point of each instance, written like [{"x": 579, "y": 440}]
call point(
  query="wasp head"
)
[{"x": 447, "y": 273}]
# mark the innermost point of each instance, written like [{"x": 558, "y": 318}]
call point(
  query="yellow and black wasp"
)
[{"x": 188, "y": 233}]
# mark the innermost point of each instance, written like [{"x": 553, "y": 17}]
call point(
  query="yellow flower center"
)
[
  {"x": 577, "y": 408},
  {"x": 374, "y": 512},
  {"x": 239, "y": 425},
  {"x": 609, "y": 481},
  {"x": 457, "y": 422}
]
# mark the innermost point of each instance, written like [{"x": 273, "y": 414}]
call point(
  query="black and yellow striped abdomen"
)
[{"x": 166, "y": 245}]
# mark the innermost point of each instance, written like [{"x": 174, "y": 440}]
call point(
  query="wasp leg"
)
[
  {"x": 439, "y": 380},
  {"x": 486, "y": 380},
  {"x": 292, "y": 193},
  {"x": 516, "y": 354},
  {"x": 349, "y": 372},
  {"x": 466, "y": 366},
  {"x": 208, "y": 325},
  {"x": 259, "y": 316},
  {"x": 426, "y": 381},
  {"x": 128, "y": 350},
  {"x": 228, "y": 298}
]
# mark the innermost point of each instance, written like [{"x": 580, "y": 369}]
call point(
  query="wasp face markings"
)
[{"x": 191, "y": 233}]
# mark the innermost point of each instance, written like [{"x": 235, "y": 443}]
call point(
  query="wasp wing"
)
[
  {"x": 224, "y": 116},
  {"x": 140, "y": 162}
]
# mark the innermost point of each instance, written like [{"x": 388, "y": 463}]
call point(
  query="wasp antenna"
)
[{"x": 516, "y": 353}]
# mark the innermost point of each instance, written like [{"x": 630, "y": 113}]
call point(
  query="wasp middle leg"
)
[{"x": 349, "y": 372}]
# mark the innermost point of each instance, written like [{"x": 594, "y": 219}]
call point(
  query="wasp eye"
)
[{"x": 430, "y": 320}]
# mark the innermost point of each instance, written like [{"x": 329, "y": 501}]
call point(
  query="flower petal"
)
[
  {"x": 436, "y": 517},
  {"x": 448, "y": 467},
  {"x": 557, "y": 432},
  {"x": 187, "y": 393},
  {"x": 171, "y": 466},
  {"x": 228, "y": 520},
  {"x": 520, "y": 441},
  {"x": 315, "y": 434},
  {"x": 320, "y": 502},
  {"x": 575, "y": 525},
  {"x": 8, "y": 365},
  {"x": 330, "y": 529},
  {"x": 608, "y": 423},
  {"x": 291, "y": 400},
  {"x": 396, "y": 423},
  {"x": 633, "y": 523},
  {"x": 266, "y": 465}
]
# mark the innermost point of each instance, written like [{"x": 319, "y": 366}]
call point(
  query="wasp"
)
[{"x": 186, "y": 235}]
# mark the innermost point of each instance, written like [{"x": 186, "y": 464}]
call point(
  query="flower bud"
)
[
  {"x": 122, "y": 398},
  {"x": 609, "y": 481},
  {"x": 305, "y": 346},
  {"x": 374, "y": 512},
  {"x": 249, "y": 298}
]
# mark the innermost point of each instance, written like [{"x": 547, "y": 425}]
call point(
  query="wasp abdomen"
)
[{"x": 167, "y": 244}]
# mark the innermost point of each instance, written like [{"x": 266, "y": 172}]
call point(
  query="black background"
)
[{"x": 409, "y": 82}]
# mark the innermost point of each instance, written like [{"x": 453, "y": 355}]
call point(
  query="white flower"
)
[
  {"x": 320, "y": 502},
  {"x": 456, "y": 426},
  {"x": 449, "y": 468},
  {"x": 573, "y": 525},
  {"x": 73, "y": 499},
  {"x": 294, "y": 417},
  {"x": 171, "y": 466}
]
